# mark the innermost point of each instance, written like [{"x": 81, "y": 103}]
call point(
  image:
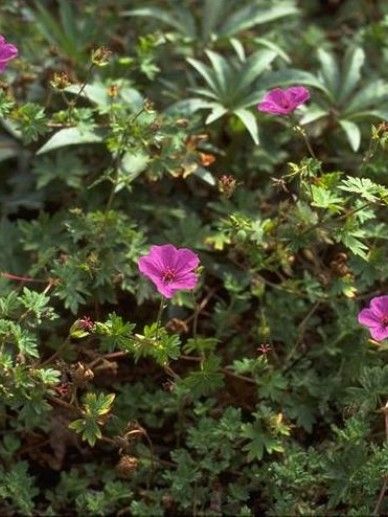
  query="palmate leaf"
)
[
  {"x": 205, "y": 380},
  {"x": 254, "y": 14},
  {"x": 350, "y": 237},
  {"x": 254, "y": 66},
  {"x": 88, "y": 428},
  {"x": 229, "y": 85},
  {"x": 273, "y": 46},
  {"x": 69, "y": 32},
  {"x": 217, "y": 18},
  {"x": 212, "y": 13},
  {"x": 374, "y": 93},
  {"x": 184, "y": 23},
  {"x": 292, "y": 76},
  {"x": 205, "y": 72},
  {"x": 222, "y": 71},
  {"x": 364, "y": 187}
]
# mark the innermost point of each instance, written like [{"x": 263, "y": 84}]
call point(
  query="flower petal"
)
[
  {"x": 298, "y": 95},
  {"x": 379, "y": 333},
  {"x": 379, "y": 306},
  {"x": 276, "y": 96},
  {"x": 270, "y": 107},
  {"x": 148, "y": 268},
  {"x": 165, "y": 289},
  {"x": 167, "y": 254},
  {"x": 368, "y": 318},
  {"x": 186, "y": 280},
  {"x": 185, "y": 260}
]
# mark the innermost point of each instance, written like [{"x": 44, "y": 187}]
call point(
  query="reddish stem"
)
[{"x": 10, "y": 276}]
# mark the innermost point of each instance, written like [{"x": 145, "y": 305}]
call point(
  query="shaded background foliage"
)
[{"x": 261, "y": 394}]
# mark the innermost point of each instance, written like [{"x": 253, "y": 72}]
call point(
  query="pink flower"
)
[
  {"x": 375, "y": 318},
  {"x": 7, "y": 53},
  {"x": 169, "y": 268},
  {"x": 284, "y": 102}
]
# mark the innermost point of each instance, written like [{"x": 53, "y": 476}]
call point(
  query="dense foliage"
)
[{"x": 127, "y": 124}]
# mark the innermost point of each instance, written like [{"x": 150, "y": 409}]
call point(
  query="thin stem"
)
[
  {"x": 159, "y": 317},
  {"x": 118, "y": 158},
  {"x": 17, "y": 278},
  {"x": 299, "y": 129},
  {"x": 73, "y": 103},
  {"x": 383, "y": 490},
  {"x": 376, "y": 511},
  {"x": 307, "y": 142}
]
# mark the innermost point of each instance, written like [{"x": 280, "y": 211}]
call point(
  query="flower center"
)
[
  {"x": 169, "y": 275},
  {"x": 285, "y": 102},
  {"x": 384, "y": 320}
]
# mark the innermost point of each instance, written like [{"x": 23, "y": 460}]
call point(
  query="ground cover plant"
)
[{"x": 193, "y": 259}]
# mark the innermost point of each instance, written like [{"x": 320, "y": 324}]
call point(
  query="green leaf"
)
[
  {"x": 97, "y": 93},
  {"x": 70, "y": 136},
  {"x": 222, "y": 71},
  {"x": 205, "y": 72},
  {"x": 292, "y": 76},
  {"x": 254, "y": 66},
  {"x": 159, "y": 14},
  {"x": 373, "y": 93},
  {"x": 19, "y": 486},
  {"x": 98, "y": 404},
  {"x": 252, "y": 15},
  {"x": 238, "y": 48},
  {"x": 324, "y": 198},
  {"x": 353, "y": 61},
  {"x": 205, "y": 380},
  {"x": 249, "y": 121},
  {"x": 273, "y": 46},
  {"x": 217, "y": 112},
  {"x": 88, "y": 429},
  {"x": 330, "y": 72},
  {"x": 353, "y": 133},
  {"x": 212, "y": 12},
  {"x": 364, "y": 187},
  {"x": 205, "y": 176},
  {"x": 312, "y": 114}
]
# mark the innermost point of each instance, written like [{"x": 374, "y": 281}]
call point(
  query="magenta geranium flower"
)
[
  {"x": 375, "y": 318},
  {"x": 170, "y": 269},
  {"x": 284, "y": 101},
  {"x": 7, "y": 53}
]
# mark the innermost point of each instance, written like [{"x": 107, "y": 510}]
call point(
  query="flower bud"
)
[
  {"x": 60, "y": 80},
  {"x": 227, "y": 185},
  {"x": 80, "y": 374},
  {"x": 101, "y": 56},
  {"x": 126, "y": 466}
]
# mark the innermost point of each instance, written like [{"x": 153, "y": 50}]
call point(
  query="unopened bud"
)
[
  {"x": 81, "y": 328},
  {"x": 81, "y": 374},
  {"x": 177, "y": 326},
  {"x": 227, "y": 185},
  {"x": 127, "y": 466},
  {"x": 60, "y": 80},
  {"x": 149, "y": 106},
  {"x": 113, "y": 90},
  {"x": 101, "y": 56}
]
